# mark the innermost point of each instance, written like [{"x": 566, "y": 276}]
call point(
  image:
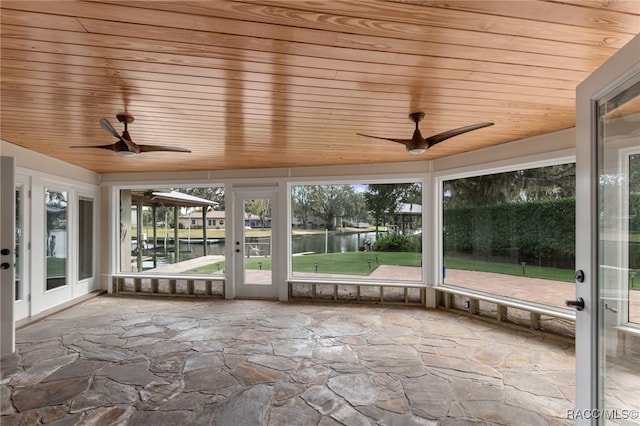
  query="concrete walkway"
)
[{"x": 148, "y": 361}]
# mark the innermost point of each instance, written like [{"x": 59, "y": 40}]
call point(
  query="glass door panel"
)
[
  {"x": 257, "y": 241},
  {"x": 56, "y": 238},
  {"x": 22, "y": 308},
  {"x": 19, "y": 244},
  {"x": 619, "y": 253},
  {"x": 255, "y": 228},
  {"x": 85, "y": 238}
]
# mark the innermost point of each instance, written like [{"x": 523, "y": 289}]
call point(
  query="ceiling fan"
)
[
  {"x": 417, "y": 144},
  {"x": 124, "y": 145}
]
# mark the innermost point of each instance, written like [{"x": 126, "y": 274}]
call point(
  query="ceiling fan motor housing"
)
[{"x": 124, "y": 117}]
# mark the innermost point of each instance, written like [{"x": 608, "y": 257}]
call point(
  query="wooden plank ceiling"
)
[{"x": 252, "y": 84}]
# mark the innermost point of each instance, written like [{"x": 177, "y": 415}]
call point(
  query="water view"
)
[{"x": 260, "y": 246}]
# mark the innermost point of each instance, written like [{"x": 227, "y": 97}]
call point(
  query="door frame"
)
[
  {"x": 239, "y": 288},
  {"x": 22, "y": 307},
  {"x": 7, "y": 242},
  {"x": 618, "y": 69}
]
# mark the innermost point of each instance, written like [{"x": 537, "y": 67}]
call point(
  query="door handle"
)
[
  {"x": 5, "y": 252},
  {"x": 5, "y": 265},
  {"x": 578, "y": 303}
]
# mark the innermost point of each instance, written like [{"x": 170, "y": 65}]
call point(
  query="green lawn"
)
[
  {"x": 363, "y": 263},
  {"x": 56, "y": 266},
  {"x": 532, "y": 271},
  {"x": 351, "y": 263}
]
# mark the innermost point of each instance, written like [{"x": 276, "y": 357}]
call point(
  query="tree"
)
[
  {"x": 56, "y": 203},
  {"x": 301, "y": 203},
  {"x": 383, "y": 199},
  {"x": 327, "y": 202},
  {"x": 261, "y": 208},
  {"x": 211, "y": 193},
  {"x": 557, "y": 181}
]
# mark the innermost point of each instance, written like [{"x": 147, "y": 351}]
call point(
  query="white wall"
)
[
  {"x": 40, "y": 162},
  {"x": 37, "y": 172}
]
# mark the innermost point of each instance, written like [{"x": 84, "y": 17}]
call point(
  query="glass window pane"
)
[
  {"x": 85, "y": 238},
  {"x": 618, "y": 253},
  {"x": 167, "y": 230},
  {"x": 633, "y": 307},
  {"x": 56, "y": 238},
  {"x": 357, "y": 231},
  {"x": 512, "y": 234},
  {"x": 19, "y": 295},
  {"x": 257, "y": 242}
]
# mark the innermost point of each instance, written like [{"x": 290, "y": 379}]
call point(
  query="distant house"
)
[
  {"x": 407, "y": 218},
  {"x": 215, "y": 220},
  {"x": 253, "y": 221}
]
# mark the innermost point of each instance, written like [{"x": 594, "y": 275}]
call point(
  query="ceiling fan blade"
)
[
  {"x": 432, "y": 140},
  {"x": 104, "y": 123},
  {"x": 126, "y": 139},
  {"x": 402, "y": 141},
  {"x": 110, "y": 147},
  {"x": 151, "y": 148}
]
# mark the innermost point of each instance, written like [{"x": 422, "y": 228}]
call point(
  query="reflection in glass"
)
[
  {"x": 19, "y": 267},
  {"x": 257, "y": 241},
  {"x": 512, "y": 234},
  {"x": 56, "y": 238},
  {"x": 85, "y": 238},
  {"x": 633, "y": 307},
  {"x": 618, "y": 250}
]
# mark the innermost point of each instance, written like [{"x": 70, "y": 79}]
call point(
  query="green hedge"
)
[
  {"x": 397, "y": 242},
  {"x": 539, "y": 233}
]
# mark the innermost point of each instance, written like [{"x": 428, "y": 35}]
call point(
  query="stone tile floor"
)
[{"x": 148, "y": 361}]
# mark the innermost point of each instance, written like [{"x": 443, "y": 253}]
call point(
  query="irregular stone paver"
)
[
  {"x": 208, "y": 379},
  {"x": 143, "y": 331},
  {"x": 158, "y": 392},
  {"x": 206, "y": 360},
  {"x": 357, "y": 389},
  {"x": 495, "y": 412},
  {"x": 94, "y": 351},
  {"x": 10, "y": 367},
  {"x": 249, "y": 406},
  {"x": 112, "y": 416},
  {"x": 124, "y": 361},
  {"x": 130, "y": 374},
  {"x": 6, "y": 406},
  {"x": 48, "y": 394},
  {"x": 155, "y": 418},
  {"x": 295, "y": 408},
  {"x": 41, "y": 370},
  {"x": 104, "y": 392},
  {"x": 275, "y": 362},
  {"x": 252, "y": 374}
]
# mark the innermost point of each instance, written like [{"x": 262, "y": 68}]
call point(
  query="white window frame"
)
[{"x": 522, "y": 163}]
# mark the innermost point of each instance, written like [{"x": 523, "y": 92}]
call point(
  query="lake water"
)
[{"x": 312, "y": 243}]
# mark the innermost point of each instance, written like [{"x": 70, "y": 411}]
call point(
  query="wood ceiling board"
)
[{"x": 270, "y": 84}]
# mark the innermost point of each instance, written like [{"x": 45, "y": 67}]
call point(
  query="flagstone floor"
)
[{"x": 149, "y": 361}]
